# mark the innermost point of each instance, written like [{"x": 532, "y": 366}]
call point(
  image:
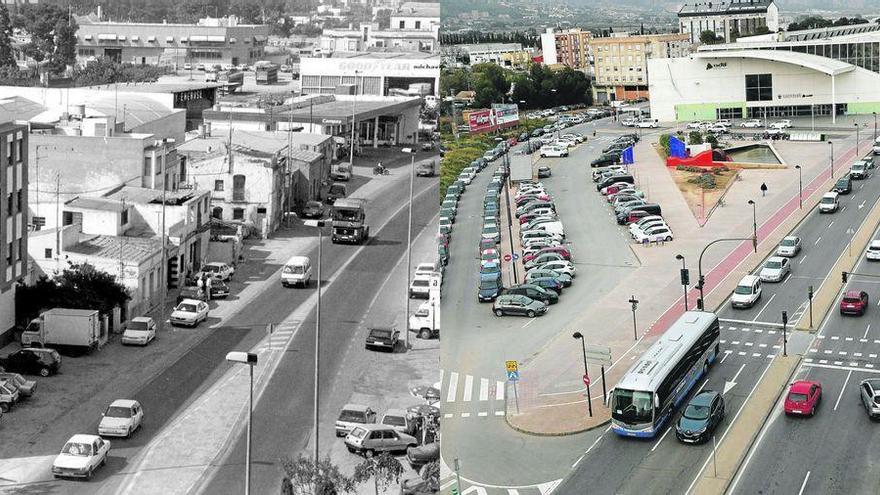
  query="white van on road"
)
[{"x": 297, "y": 271}]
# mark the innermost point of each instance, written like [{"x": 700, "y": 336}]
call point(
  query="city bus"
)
[
  {"x": 647, "y": 395},
  {"x": 266, "y": 72}
]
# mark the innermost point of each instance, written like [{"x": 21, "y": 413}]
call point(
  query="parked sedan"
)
[
  {"x": 561, "y": 266},
  {"x": 535, "y": 292},
  {"x": 564, "y": 279},
  {"x": 542, "y": 258},
  {"x": 873, "y": 250},
  {"x": 658, "y": 233},
  {"x": 803, "y": 397},
  {"x": 189, "y": 313},
  {"x": 753, "y": 123},
  {"x": 491, "y": 232},
  {"x": 854, "y": 302},
  {"x": 219, "y": 270},
  {"x": 382, "y": 338},
  {"x": 490, "y": 256},
  {"x": 789, "y": 247},
  {"x": 81, "y": 456},
  {"x": 519, "y": 306},
  {"x": 775, "y": 269},
  {"x": 701, "y": 417},
  {"x": 313, "y": 209},
  {"x": 140, "y": 330},
  {"x": 26, "y": 388}
]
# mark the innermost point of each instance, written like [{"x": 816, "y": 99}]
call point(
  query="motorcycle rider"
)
[{"x": 380, "y": 170}]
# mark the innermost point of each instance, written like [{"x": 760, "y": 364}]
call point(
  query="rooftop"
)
[
  {"x": 383, "y": 55},
  {"x": 129, "y": 249},
  {"x": 160, "y": 87},
  {"x": 95, "y": 204},
  {"x": 818, "y": 63},
  {"x": 142, "y": 195},
  {"x": 709, "y": 7},
  {"x": 418, "y": 9}
]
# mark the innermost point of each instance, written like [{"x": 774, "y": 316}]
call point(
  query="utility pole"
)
[
  {"x": 353, "y": 122},
  {"x": 163, "y": 287},
  {"x": 58, "y": 221},
  {"x": 288, "y": 174},
  {"x": 412, "y": 174},
  {"x": 635, "y": 304}
]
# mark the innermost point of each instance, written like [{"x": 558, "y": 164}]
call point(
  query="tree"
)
[
  {"x": 383, "y": 469},
  {"x": 708, "y": 37},
  {"x": 431, "y": 473},
  {"x": 52, "y": 39},
  {"x": 712, "y": 140},
  {"x": 304, "y": 476},
  {"x": 7, "y": 58},
  {"x": 695, "y": 137}
]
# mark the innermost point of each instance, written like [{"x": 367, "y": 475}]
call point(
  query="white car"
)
[
  {"x": 540, "y": 234},
  {"x": 752, "y": 123},
  {"x": 425, "y": 269},
  {"x": 189, "y": 312},
  {"x": 560, "y": 266},
  {"x": 695, "y": 125},
  {"x": 657, "y": 233},
  {"x": 140, "y": 331},
  {"x": 553, "y": 151},
  {"x": 775, "y": 269},
  {"x": 420, "y": 286},
  {"x": 647, "y": 124},
  {"x": 789, "y": 247},
  {"x": 873, "y": 251},
  {"x": 718, "y": 129},
  {"x": 644, "y": 221},
  {"x": 490, "y": 256},
  {"x": 122, "y": 418},
  {"x": 566, "y": 142},
  {"x": 639, "y": 229},
  {"x": 219, "y": 270},
  {"x": 629, "y": 122},
  {"x": 80, "y": 456},
  {"x": 781, "y": 124}
]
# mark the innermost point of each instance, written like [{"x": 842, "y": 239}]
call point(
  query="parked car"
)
[
  {"x": 490, "y": 256},
  {"x": 374, "y": 438},
  {"x": 353, "y": 415},
  {"x": 854, "y": 302},
  {"x": 559, "y": 266},
  {"x": 81, "y": 456},
  {"x": 657, "y": 233},
  {"x": 790, "y": 246},
  {"x": 219, "y": 290},
  {"x": 538, "y": 273},
  {"x": 544, "y": 172},
  {"x": 542, "y": 258},
  {"x": 9, "y": 395},
  {"x": 747, "y": 292},
  {"x": 646, "y": 124},
  {"x": 382, "y": 338},
  {"x": 420, "y": 286},
  {"x": 189, "y": 312},
  {"x": 219, "y": 270},
  {"x": 490, "y": 231},
  {"x": 780, "y": 124},
  {"x": 752, "y": 123},
  {"x": 775, "y": 269},
  {"x": 26, "y": 388},
  {"x": 701, "y": 417},
  {"x": 32, "y": 361},
  {"x": 313, "y": 209},
  {"x": 536, "y": 292},
  {"x": 421, "y": 455},
  {"x": 803, "y": 397},
  {"x": 122, "y": 418},
  {"x": 490, "y": 287},
  {"x": 141, "y": 330},
  {"x": 519, "y": 306},
  {"x": 191, "y": 292},
  {"x": 869, "y": 390}
]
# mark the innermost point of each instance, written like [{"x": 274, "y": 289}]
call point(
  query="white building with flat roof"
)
[{"x": 728, "y": 19}]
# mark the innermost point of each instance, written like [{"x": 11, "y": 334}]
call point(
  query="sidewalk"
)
[{"x": 551, "y": 396}]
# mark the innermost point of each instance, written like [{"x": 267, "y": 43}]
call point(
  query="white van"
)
[
  {"x": 297, "y": 271},
  {"x": 829, "y": 202},
  {"x": 747, "y": 292},
  {"x": 876, "y": 148}
]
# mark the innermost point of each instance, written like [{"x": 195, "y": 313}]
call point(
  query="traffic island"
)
[
  {"x": 718, "y": 472},
  {"x": 557, "y": 419}
]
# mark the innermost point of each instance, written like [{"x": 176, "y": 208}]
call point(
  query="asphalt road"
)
[
  {"x": 476, "y": 343},
  {"x": 750, "y": 338},
  {"x": 835, "y": 451},
  {"x": 283, "y": 415}
]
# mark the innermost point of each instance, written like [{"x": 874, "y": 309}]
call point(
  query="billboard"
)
[
  {"x": 481, "y": 121},
  {"x": 506, "y": 115}
]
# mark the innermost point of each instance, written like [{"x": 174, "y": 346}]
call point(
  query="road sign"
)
[
  {"x": 513, "y": 376},
  {"x": 598, "y": 354},
  {"x": 507, "y": 257},
  {"x": 511, "y": 365},
  {"x": 515, "y": 256},
  {"x": 586, "y": 379}
]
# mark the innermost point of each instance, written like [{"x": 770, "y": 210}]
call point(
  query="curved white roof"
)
[{"x": 825, "y": 65}]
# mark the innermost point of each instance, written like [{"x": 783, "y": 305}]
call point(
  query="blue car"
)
[
  {"x": 490, "y": 287},
  {"x": 490, "y": 269}
]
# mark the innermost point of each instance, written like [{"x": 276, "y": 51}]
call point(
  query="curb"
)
[{"x": 559, "y": 434}]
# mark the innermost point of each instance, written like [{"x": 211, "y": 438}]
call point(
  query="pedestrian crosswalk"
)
[
  {"x": 449, "y": 484},
  {"x": 281, "y": 335},
  {"x": 468, "y": 396}
]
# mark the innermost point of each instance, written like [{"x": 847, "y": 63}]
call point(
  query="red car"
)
[
  {"x": 635, "y": 216},
  {"x": 512, "y": 141},
  {"x": 562, "y": 251},
  {"x": 854, "y": 303},
  {"x": 613, "y": 188},
  {"x": 803, "y": 397},
  {"x": 443, "y": 239}
]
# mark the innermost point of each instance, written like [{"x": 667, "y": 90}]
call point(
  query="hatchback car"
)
[
  {"x": 490, "y": 287},
  {"x": 701, "y": 417},
  {"x": 490, "y": 256},
  {"x": 313, "y": 209},
  {"x": 374, "y": 438},
  {"x": 519, "y": 306},
  {"x": 803, "y": 397},
  {"x": 140, "y": 331},
  {"x": 560, "y": 266},
  {"x": 219, "y": 270},
  {"x": 490, "y": 231},
  {"x": 869, "y": 390},
  {"x": 789, "y": 247},
  {"x": 189, "y": 313},
  {"x": 775, "y": 269},
  {"x": 26, "y": 388},
  {"x": 843, "y": 185},
  {"x": 353, "y": 415},
  {"x": 382, "y": 338},
  {"x": 32, "y": 361},
  {"x": 544, "y": 172},
  {"x": 81, "y": 456},
  {"x": 657, "y": 233},
  {"x": 564, "y": 279},
  {"x": 122, "y": 418},
  {"x": 490, "y": 269},
  {"x": 535, "y": 292},
  {"x": 854, "y": 302}
]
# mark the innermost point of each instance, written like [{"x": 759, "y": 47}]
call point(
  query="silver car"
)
[
  {"x": 870, "y": 391},
  {"x": 789, "y": 246},
  {"x": 775, "y": 269}
]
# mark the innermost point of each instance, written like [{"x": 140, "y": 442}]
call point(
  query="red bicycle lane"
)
[{"x": 735, "y": 257}]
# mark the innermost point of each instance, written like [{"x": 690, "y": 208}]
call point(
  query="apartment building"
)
[
  {"x": 570, "y": 48},
  {"x": 13, "y": 219},
  {"x": 621, "y": 63},
  {"x": 728, "y": 19}
]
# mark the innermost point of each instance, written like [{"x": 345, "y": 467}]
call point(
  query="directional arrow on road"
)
[
  {"x": 862, "y": 204},
  {"x": 729, "y": 384}
]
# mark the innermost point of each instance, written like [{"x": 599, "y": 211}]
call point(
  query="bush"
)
[
  {"x": 695, "y": 137},
  {"x": 664, "y": 142}
]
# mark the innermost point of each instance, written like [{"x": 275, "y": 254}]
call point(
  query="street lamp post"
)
[
  {"x": 579, "y": 336},
  {"x": 700, "y": 281},
  {"x": 319, "y": 224},
  {"x": 353, "y": 121},
  {"x": 832, "y": 158},
  {"x": 754, "y": 225},
  {"x": 634, "y": 305},
  {"x": 412, "y": 174},
  {"x": 857, "y": 138},
  {"x": 249, "y": 359},
  {"x": 685, "y": 279},
  {"x": 875, "y": 126},
  {"x": 800, "y": 186}
]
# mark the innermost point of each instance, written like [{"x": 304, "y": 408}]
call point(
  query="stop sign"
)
[
  {"x": 507, "y": 257},
  {"x": 587, "y": 380}
]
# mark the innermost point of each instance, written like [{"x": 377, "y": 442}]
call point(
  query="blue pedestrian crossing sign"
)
[{"x": 512, "y": 370}]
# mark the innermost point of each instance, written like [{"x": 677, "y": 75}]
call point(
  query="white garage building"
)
[{"x": 801, "y": 73}]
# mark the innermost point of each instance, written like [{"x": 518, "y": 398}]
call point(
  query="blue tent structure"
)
[
  {"x": 677, "y": 147},
  {"x": 627, "y": 156}
]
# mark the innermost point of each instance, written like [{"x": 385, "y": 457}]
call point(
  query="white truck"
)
[
  {"x": 61, "y": 328},
  {"x": 426, "y": 320}
]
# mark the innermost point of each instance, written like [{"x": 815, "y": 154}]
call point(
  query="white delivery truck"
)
[
  {"x": 62, "y": 328},
  {"x": 426, "y": 320}
]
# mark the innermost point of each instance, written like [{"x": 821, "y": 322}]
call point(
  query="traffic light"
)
[
  {"x": 785, "y": 317},
  {"x": 702, "y": 281},
  {"x": 685, "y": 277},
  {"x": 843, "y": 276},
  {"x": 810, "y": 293},
  {"x": 454, "y": 490}
]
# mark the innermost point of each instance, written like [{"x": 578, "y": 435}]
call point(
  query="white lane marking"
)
[
  {"x": 465, "y": 415},
  {"x": 830, "y": 224},
  {"x": 802, "y": 259},
  {"x": 842, "y": 389},
  {"x": 529, "y": 322},
  {"x": 765, "y": 307},
  {"x": 447, "y": 415},
  {"x": 786, "y": 278},
  {"x": 453, "y": 385},
  {"x": 662, "y": 437},
  {"x": 578, "y": 461},
  {"x": 482, "y": 414},
  {"x": 499, "y": 413},
  {"x": 499, "y": 390},
  {"x": 726, "y": 353},
  {"x": 804, "y": 484},
  {"x": 484, "y": 389},
  {"x": 468, "y": 388},
  {"x": 866, "y": 332},
  {"x": 817, "y": 240}
]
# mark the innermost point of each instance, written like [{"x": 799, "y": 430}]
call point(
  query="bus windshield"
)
[{"x": 633, "y": 406}]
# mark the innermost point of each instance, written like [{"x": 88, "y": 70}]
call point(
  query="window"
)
[
  {"x": 9, "y": 204},
  {"x": 261, "y": 210},
  {"x": 238, "y": 213},
  {"x": 123, "y": 217},
  {"x": 19, "y": 250},
  {"x": 402, "y": 25},
  {"x": 238, "y": 187},
  {"x": 148, "y": 166},
  {"x": 759, "y": 87},
  {"x": 9, "y": 254},
  {"x": 418, "y": 24},
  {"x": 47, "y": 253},
  {"x": 218, "y": 185},
  {"x": 217, "y": 212},
  {"x": 19, "y": 154}
]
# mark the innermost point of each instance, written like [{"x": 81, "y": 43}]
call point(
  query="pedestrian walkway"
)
[{"x": 466, "y": 396}]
